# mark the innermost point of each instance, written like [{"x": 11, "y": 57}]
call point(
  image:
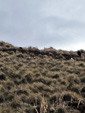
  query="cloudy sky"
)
[{"x": 43, "y": 23}]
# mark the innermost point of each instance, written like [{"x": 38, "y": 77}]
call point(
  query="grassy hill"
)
[{"x": 41, "y": 81}]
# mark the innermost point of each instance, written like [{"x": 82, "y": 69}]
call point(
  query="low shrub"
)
[{"x": 67, "y": 97}]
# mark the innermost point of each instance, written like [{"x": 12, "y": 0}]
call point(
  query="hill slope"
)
[{"x": 41, "y": 81}]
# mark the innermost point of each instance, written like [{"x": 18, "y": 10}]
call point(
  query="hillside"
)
[{"x": 41, "y": 81}]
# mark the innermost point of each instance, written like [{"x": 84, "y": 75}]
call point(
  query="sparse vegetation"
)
[{"x": 41, "y": 81}]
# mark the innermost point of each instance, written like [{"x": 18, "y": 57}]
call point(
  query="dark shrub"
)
[
  {"x": 75, "y": 90},
  {"x": 19, "y": 92},
  {"x": 9, "y": 97},
  {"x": 67, "y": 97},
  {"x": 1, "y": 99},
  {"x": 24, "y": 99},
  {"x": 15, "y": 105},
  {"x": 83, "y": 79},
  {"x": 39, "y": 100},
  {"x": 79, "y": 53},
  {"x": 83, "y": 90},
  {"x": 20, "y": 55},
  {"x": 31, "y": 100},
  {"x": 52, "y": 110},
  {"x": 23, "y": 81},
  {"x": 56, "y": 76},
  {"x": 76, "y": 81},
  {"x": 30, "y": 110},
  {"x": 53, "y": 99},
  {"x": 2, "y": 77},
  {"x": 28, "y": 78},
  {"x": 81, "y": 64},
  {"x": 63, "y": 82},
  {"x": 61, "y": 110}
]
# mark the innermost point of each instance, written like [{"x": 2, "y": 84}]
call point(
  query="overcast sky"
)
[{"x": 43, "y": 23}]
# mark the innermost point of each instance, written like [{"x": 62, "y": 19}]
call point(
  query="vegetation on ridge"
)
[{"x": 41, "y": 81}]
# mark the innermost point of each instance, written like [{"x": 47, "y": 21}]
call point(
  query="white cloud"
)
[
  {"x": 57, "y": 23},
  {"x": 69, "y": 10}
]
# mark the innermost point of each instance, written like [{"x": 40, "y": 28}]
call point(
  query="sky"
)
[{"x": 43, "y": 23}]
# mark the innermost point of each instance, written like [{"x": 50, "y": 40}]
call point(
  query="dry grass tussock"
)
[{"x": 41, "y": 81}]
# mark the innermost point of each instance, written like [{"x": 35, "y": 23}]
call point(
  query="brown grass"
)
[{"x": 41, "y": 81}]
